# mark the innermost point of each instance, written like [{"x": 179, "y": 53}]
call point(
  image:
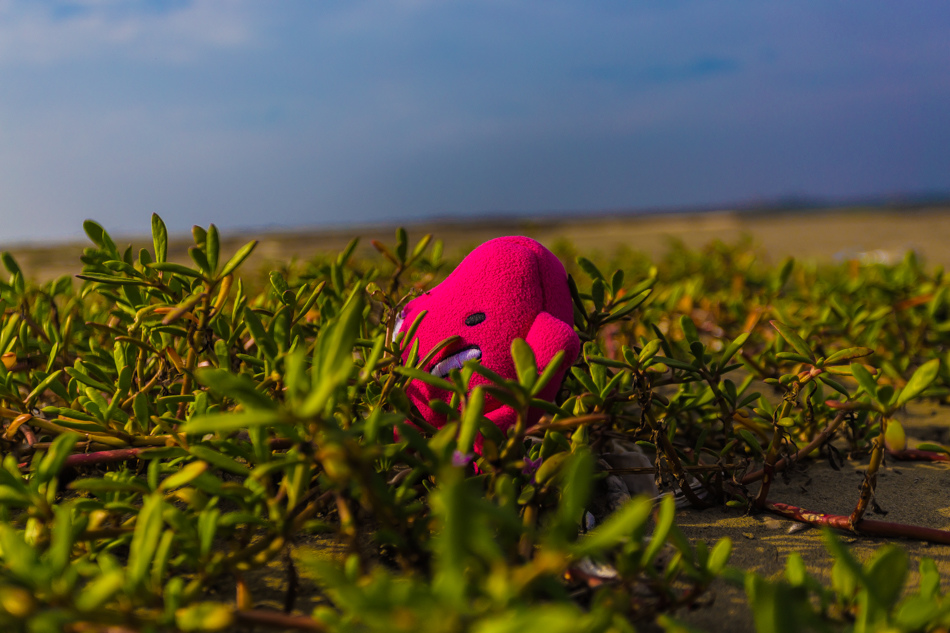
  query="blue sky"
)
[{"x": 286, "y": 113}]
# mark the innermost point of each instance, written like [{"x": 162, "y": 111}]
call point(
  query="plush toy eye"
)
[{"x": 475, "y": 318}]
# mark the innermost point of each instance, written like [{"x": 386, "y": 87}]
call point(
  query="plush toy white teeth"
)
[
  {"x": 455, "y": 361},
  {"x": 400, "y": 318}
]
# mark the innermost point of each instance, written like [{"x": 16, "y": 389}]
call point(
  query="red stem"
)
[
  {"x": 866, "y": 527},
  {"x": 101, "y": 457},
  {"x": 127, "y": 454},
  {"x": 915, "y": 455}
]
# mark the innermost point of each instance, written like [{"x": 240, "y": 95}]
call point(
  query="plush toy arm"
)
[
  {"x": 547, "y": 337},
  {"x": 504, "y": 417}
]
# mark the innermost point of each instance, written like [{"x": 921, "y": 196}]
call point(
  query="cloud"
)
[
  {"x": 643, "y": 76},
  {"x": 46, "y": 33}
]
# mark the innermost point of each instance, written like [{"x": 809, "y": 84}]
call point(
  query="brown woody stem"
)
[
  {"x": 870, "y": 476},
  {"x": 569, "y": 423},
  {"x": 677, "y": 467},
  {"x": 276, "y": 619},
  {"x": 817, "y": 441},
  {"x": 771, "y": 457}
]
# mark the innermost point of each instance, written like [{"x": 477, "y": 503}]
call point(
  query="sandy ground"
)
[{"x": 913, "y": 493}]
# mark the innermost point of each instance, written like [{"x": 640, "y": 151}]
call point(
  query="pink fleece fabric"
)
[{"x": 521, "y": 289}]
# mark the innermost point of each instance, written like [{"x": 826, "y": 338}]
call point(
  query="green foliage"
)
[{"x": 204, "y": 424}]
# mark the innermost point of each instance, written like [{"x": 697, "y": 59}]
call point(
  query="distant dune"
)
[{"x": 869, "y": 233}]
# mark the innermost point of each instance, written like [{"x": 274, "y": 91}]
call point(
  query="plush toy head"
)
[{"x": 507, "y": 288}]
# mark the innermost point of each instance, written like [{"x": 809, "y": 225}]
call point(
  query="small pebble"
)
[
  {"x": 797, "y": 527},
  {"x": 589, "y": 521},
  {"x": 748, "y": 535}
]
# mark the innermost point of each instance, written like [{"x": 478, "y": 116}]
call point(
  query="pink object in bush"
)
[{"x": 507, "y": 288}]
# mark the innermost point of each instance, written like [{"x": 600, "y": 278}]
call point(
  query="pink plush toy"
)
[{"x": 507, "y": 288}]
